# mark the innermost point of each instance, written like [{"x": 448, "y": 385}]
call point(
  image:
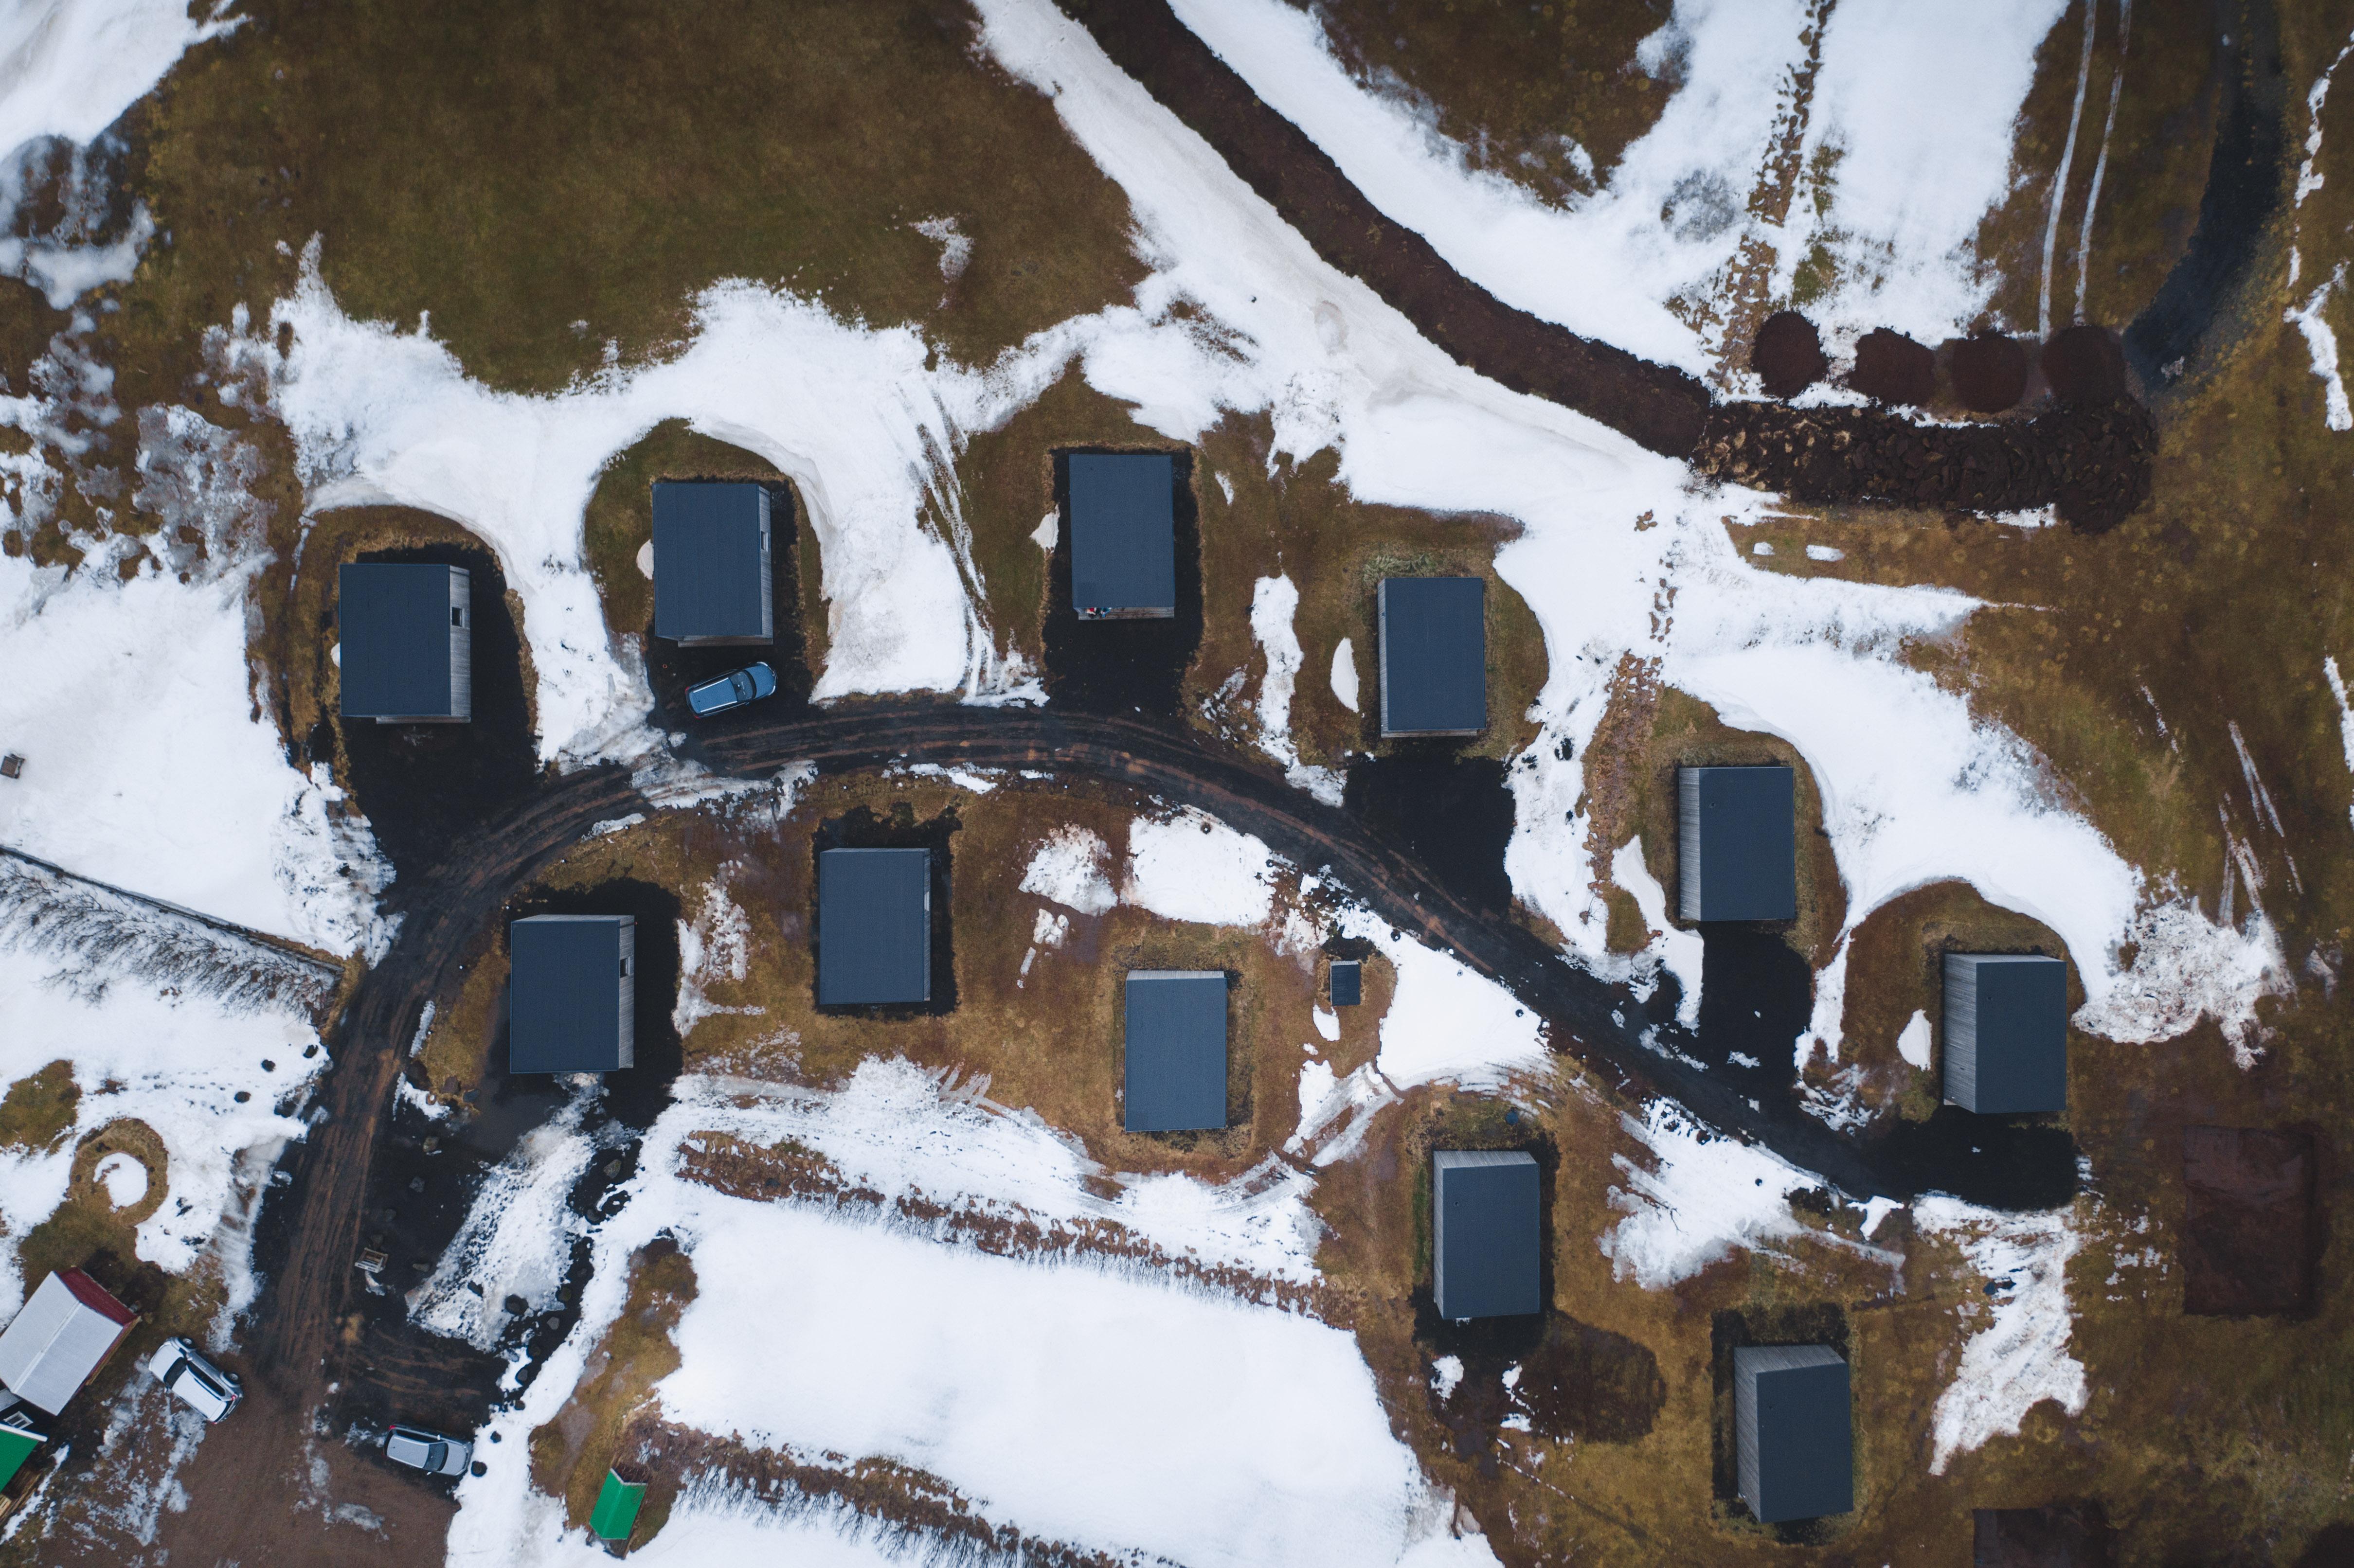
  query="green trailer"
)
[
  {"x": 19, "y": 1441},
  {"x": 617, "y": 1504}
]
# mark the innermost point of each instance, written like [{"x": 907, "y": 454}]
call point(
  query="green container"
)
[
  {"x": 17, "y": 1446},
  {"x": 616, "y": 1507}
]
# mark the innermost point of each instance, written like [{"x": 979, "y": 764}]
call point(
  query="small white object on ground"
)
[{"x": 1344, "y": 674}]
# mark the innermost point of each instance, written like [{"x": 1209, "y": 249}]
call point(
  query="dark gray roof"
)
[
  {"x": 393, "y": 620},
  {"x": 873, "y": 925},
  {"x": 1736, "y": 843},
  {"x": 1347, "y": 982},
  {"x": 2006, "y": 1032},
  {"x": 1123, "y": 531},
  {"x": 1484, "y": 1240},
  {"x": 711, "y": 560},
  {"x": 1433, "y": 637},
  {"x": 1176, "y": 1050},
  {"x": 1793, "y": 1431},
  {"x": 567, "y": 1007}
]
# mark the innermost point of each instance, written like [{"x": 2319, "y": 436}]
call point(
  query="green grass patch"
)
[{"x": 38, "y": 1111}]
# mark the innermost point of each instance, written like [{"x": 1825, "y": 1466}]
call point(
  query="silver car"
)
[
  {"x": 427, "y": 1451},
  {"x": 179, "y": 1367}
]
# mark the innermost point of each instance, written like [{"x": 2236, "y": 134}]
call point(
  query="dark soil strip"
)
[
  {"x": 2245, "y": 181},
  {"x": 2094, "y": 463}
]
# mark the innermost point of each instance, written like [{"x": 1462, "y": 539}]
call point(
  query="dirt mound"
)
[
  {"x": 1788, "y": 354},
  {"x": 1989, "y": 372},
  {"x": 2091, "y": 461},
  {"x": 2085, "y": 365},
  {"x": 1892, "y": 368}
]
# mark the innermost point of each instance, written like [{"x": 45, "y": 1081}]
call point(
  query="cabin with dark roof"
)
[
  {"x": 1346, "y": 983},
  {"x": 1434, "y": 655},
  {"x": 1736, "y": 843},
  {"x": 1794, "y": 1431},
  {"x": 712, "y": 579},
  {"x": 1484, "y": 1230},
  {"x": 1175, "y": 1079},
  {"x": 873, "y": 927},
  {"x": 2006, "y": 1033},
  {"x": 572, "y": 994},
  {"x": 1123, "y": 527},
  {"x": 405, "y": 652}
]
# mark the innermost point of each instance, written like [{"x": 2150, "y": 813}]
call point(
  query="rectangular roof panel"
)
[
  {"x": 2006, "y": 1033},
  {"x": 1176, "y": 1050},
  {"x": 564, "y": 993},
  {"x": 873, "y": 925},
  {"x": 393, "y": 621},
  {"x": 1434, "y": 637},
  {"x": 60, "y": 1338},
  {"x": 1737, "y": 843},
  {"x": 1485, "y": 1244},
  {"x": 1794, "y": 1431},
  {"x": 711, "y": 561},
  {"x": 1123, "y": 526}
]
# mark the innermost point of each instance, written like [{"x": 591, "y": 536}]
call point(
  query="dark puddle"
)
[
  {"x": 427, "y": 1174},
  {"x": 1812, "y": 1323},
  {"x": 2058, "y": 1535},
  {"x": 2252, "y": 1233},
  {"x": 422, "y": 786},
  {"x": 2245, "y": 179},
  {"x": 1122, "y": 666},
  {"x": 1450, "y": 813},
  {"x": 2002, "y": 1162},
  {"x": 861, "y": 828},
  {"x": 671, "y": 669}
]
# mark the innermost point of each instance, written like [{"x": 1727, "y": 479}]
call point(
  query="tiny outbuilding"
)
[
  {"x": 64, "y": 1333},
  {"x": 618, "y": 1501},
  {"x": 1176, "y": 1050},
  {"x": 22, "y": 1433},
  {"x": 1736, "y": 843},
  {"x": 406, "y": 642},
  {"x": 1484, "y": 1232},
  {"x": 572, "y": 994},
  {"x": 1346, "y": 983},
  {"x": 2006, "y": 1033},
  {"x": 1123, "y": 526},
  {"x": 1434, "y": 646},
  {"x": 1794, "y": 1431},
  {"x": 712, "y": 579},
  {"x": 873, "y": 927}
]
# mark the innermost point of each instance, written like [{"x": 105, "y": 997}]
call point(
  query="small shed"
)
[
  {"x": 1123, "y": 534},
  {"x": 572, "y": 994},
  {"x": 712, "y": 578},
  {"x": 63, "y": 1335},
  {"x": 2006, "y": 1033},
  {"x": 1736, "y": 837},
  {"x": 873, "y": 927},
  {"x": 1485, "y": 1235},
  {"x": 1433, "y": 640},
  {"x": 406, "y": 642},
  {"x": 22, "y": 1434},
  {"x": 1794, "y": 1431},
  {"x": 1346, "y": 983},
  {"x": 1176, "y": 1050},
  {"x": 618, "y": 1501}
]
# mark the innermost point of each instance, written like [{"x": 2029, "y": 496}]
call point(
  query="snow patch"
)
[
  {"x": 2022, "y": 1357},
  {"x": 1194, "y": 867},
  {"x": 1344, "y": 674},
  {"x": 1069, "y": 869},
  {"x": 1701, "y": 1197},
  {"x": 1913, "y": 1040}
]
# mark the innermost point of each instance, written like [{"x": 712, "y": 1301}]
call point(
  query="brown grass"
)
[
  {"x": 1509, "y": 83},
  {"x": 39, "y": 1110},
  {"x": 571, "y": 1451}
]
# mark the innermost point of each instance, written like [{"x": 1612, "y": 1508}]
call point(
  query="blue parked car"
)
[{"x": 733, "y": 690}]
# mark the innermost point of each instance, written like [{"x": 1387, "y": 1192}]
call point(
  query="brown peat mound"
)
[
  {"x": 2085, "y": 365},
  {"x": 2249, "y": 1233},
  {"x": 1787, "y": 354},
  {"x": 1891, "y": 368},
  {"x": 1989, "y": 372}
]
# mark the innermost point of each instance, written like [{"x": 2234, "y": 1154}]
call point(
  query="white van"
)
[{"x": 179, "y": 1367}]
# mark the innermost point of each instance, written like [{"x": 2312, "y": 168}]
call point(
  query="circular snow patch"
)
[
  {"x": 124, "y": 1179},
  {"x": 646, "y": 559}
]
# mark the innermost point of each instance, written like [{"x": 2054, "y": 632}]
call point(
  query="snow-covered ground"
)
[{"x": 1017, "y": 1381}]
